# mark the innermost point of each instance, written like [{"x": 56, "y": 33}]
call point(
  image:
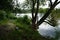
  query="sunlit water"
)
[{"x": 44, "y": 29}]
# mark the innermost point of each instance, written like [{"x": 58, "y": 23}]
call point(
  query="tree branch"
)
[
  {"x": 47, "y": 13},
  {"x": 55, "y": 1},
  {"x": 33, "y": 4},
  {"x": 36, "y": 13},
  {"x": 58, "y": 3},
  {"x": 49, "y": 23},
  {"x": 50, "y": 2},
  {"x": 33, "y": 9}
]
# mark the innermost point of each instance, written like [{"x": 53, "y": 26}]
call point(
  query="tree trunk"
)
[{"x": 34, "y": 17}]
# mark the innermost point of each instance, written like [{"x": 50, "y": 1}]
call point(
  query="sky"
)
[
  {"x": 58, "y": 6},
  {"x": 21, "y": 1}
]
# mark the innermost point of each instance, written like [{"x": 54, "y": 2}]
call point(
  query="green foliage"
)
[
  {"x": 2, "y": 15},
  {"x": 6, "y": 15},
  {"x": 24, "y": 19},
  {"x": 6, "y": 4},
  {"x": 43, "y": 10},
  {"x": 56, "y": 13},
  {"x": 23, "y": 33}
]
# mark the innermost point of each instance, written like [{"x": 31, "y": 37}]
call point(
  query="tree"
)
[{"x": 37, "y": 3}]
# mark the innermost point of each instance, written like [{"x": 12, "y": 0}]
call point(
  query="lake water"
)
[{"x": 44, "y": 29}]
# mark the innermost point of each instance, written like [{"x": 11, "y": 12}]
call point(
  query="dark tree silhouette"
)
[
  {"x": 36, "y": 23},
  {"x": 6, "y": 4}
]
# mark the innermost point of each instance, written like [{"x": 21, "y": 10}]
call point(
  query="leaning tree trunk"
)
[{"x": 47, "y": 13}]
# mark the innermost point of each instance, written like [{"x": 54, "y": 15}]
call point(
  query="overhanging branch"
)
[
  {"x": 58, "y": 3},
  {"x": 49, "y": 23},
  {"x": 47, "y": 13},
  {"x": 45, "y": 16}
]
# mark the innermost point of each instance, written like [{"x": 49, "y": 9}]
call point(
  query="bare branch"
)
[
  {"x": 33, "y": 4},
  {"x": 49, "y": 23},
  {"x": 50, "y": 2},
  {"x": 37, "y": 10},
  {"x": 55, "y": 1},
  {"x": 58, "y": 3}
]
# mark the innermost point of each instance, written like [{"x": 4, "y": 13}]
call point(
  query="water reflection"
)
[{"x": 47, "y": 31}]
